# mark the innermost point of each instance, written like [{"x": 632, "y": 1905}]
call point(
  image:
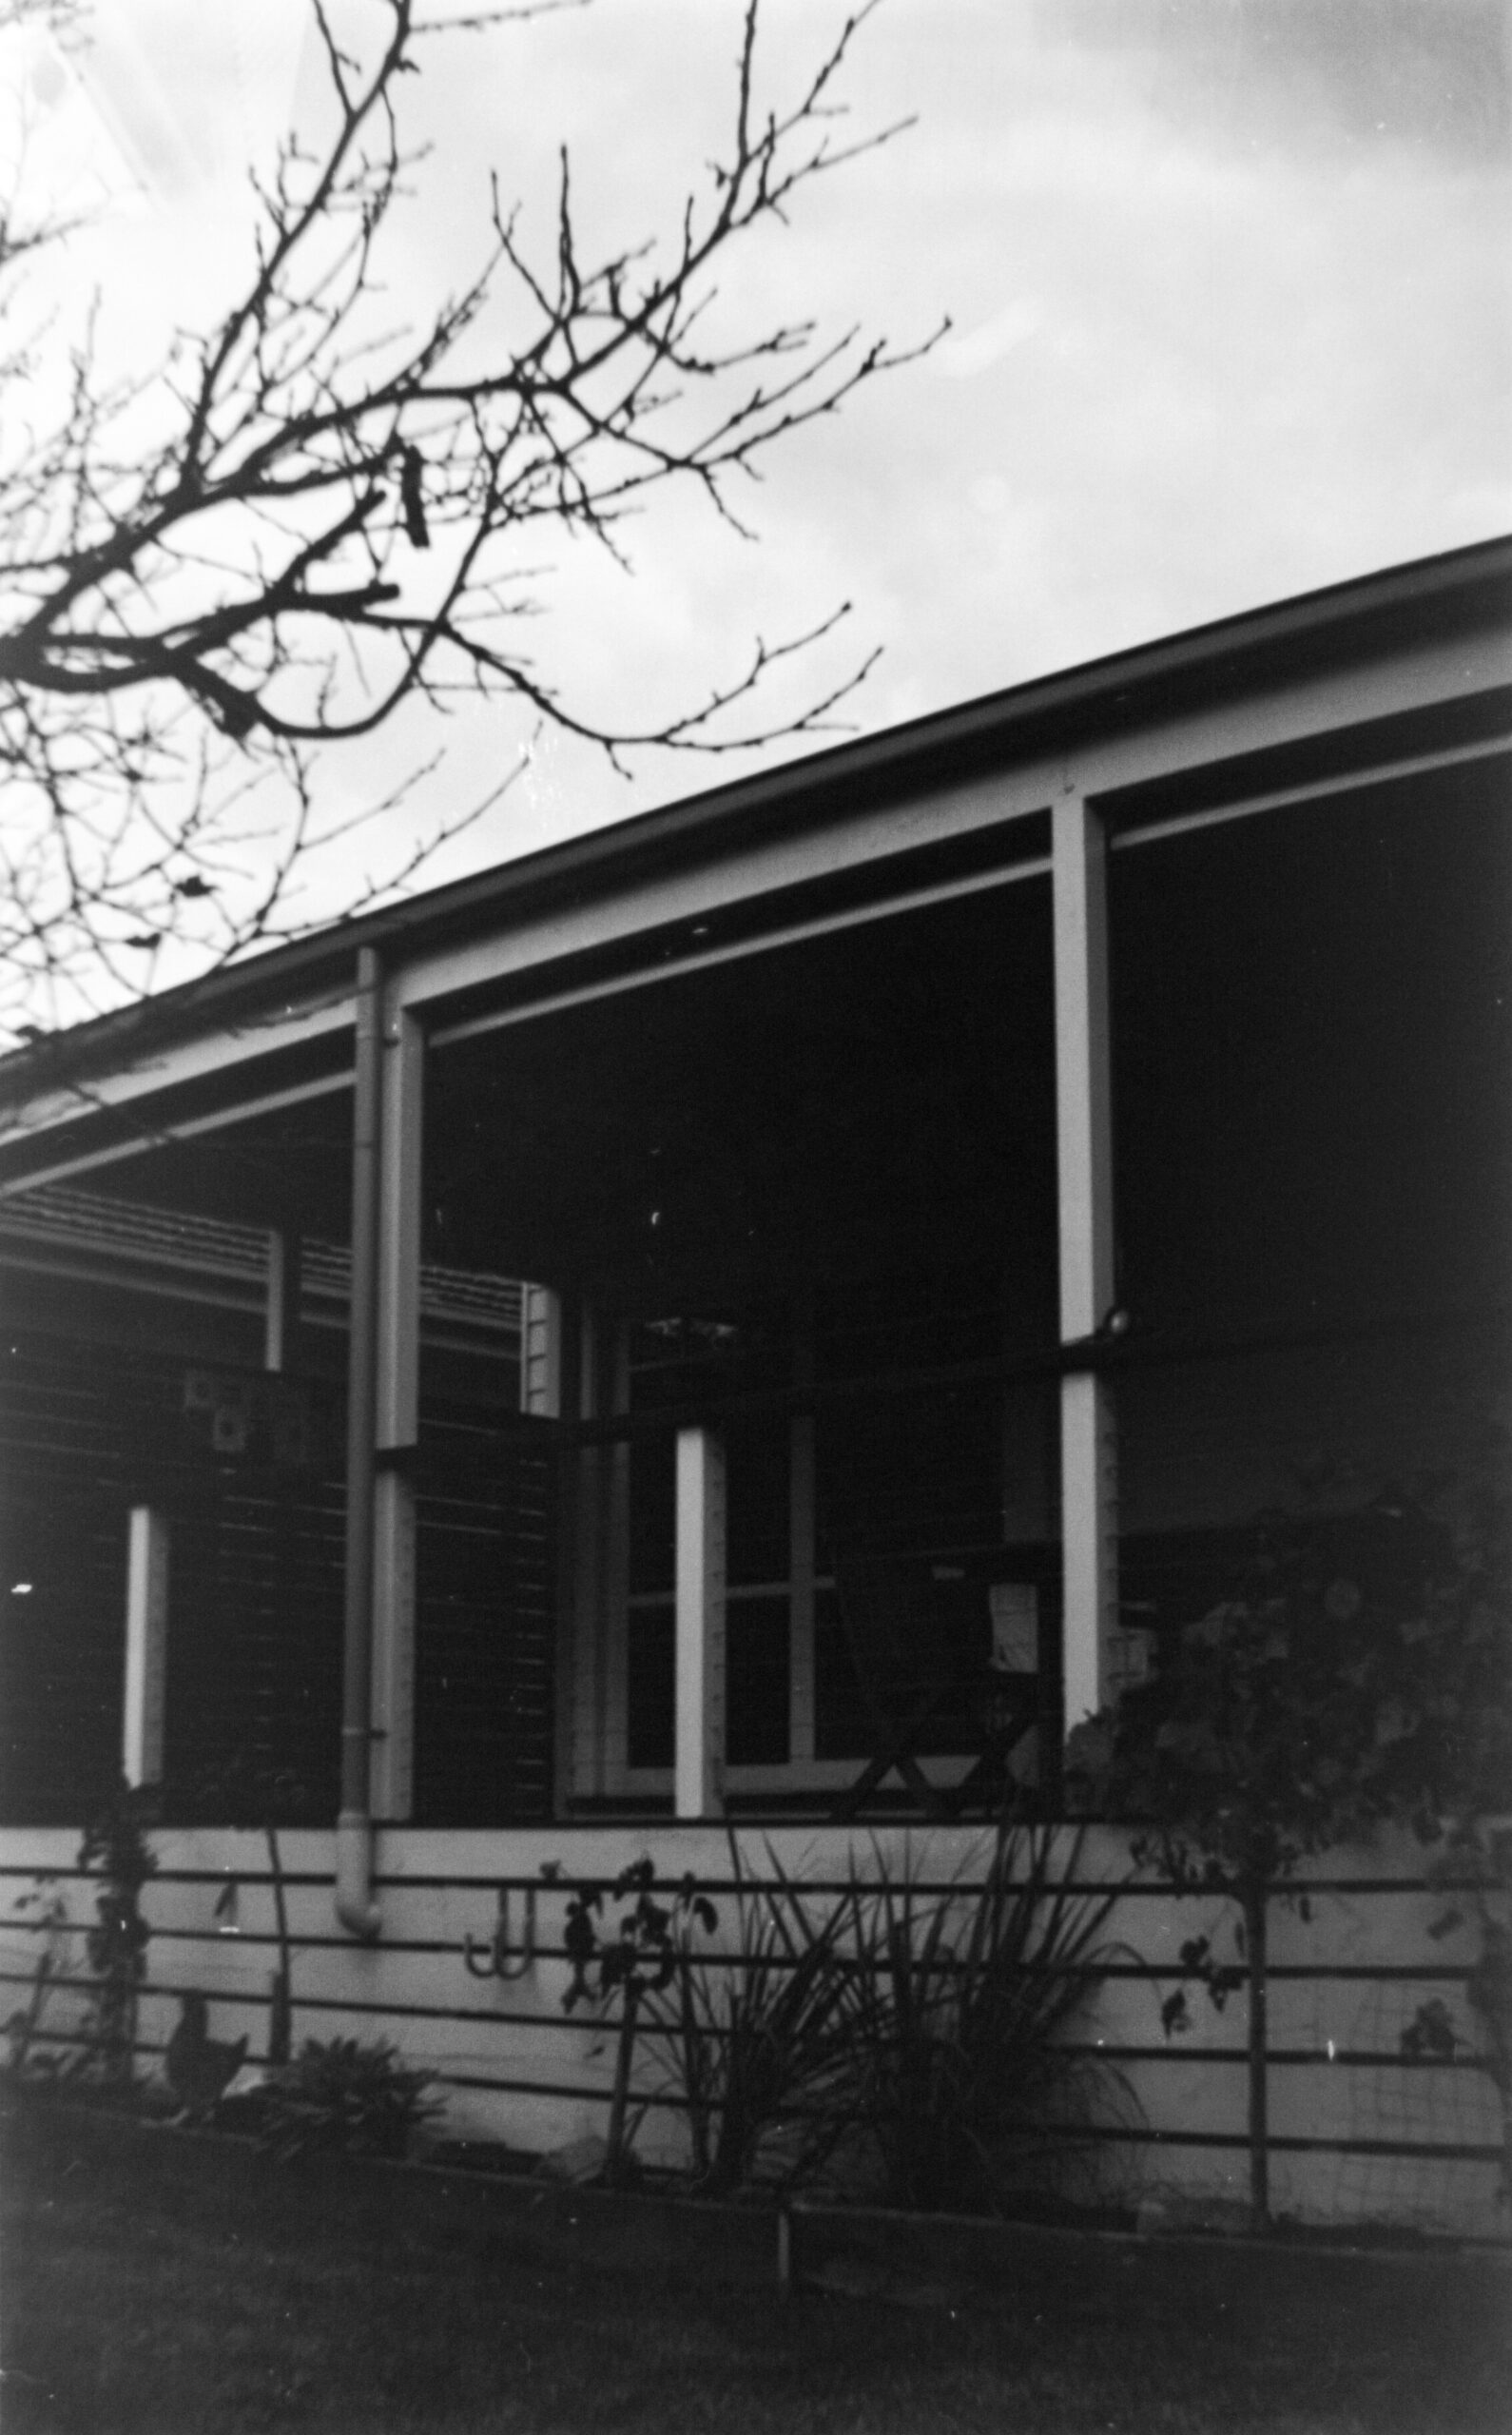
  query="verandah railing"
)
[{"x": 1359, "y": 2128}]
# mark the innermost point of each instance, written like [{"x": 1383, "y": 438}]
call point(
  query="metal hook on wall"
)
[{"x": 497, "y": 1958}]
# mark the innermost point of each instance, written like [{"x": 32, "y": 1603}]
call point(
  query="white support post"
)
[
  {"x": 544, "y": 1380},
  {"x": 1084, "y": 1149},
  {"x": 541, "y": 1351},
  {"x": 276, "y": 1311},
  {"x": 146, "y": 1647},
  {"x": 700, "y": 1741},
  {"x": 1089, "y": 1477},
  {"x": 398, "y": 1418}
]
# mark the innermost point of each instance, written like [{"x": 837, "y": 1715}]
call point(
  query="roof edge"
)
[{"x": 1478, "y": 576}]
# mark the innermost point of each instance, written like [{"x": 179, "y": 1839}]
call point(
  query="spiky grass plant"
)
[
  {"x": 756, "y": 2040},
  {"x": 961, "y": 2009}
]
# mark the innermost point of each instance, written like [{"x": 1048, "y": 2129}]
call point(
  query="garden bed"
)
[
  {"x": 160, "y": 2281},
  {"x": 655, "y": 2230}
]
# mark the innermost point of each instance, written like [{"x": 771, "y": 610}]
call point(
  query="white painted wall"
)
[{"x": 518, "y": 2030}]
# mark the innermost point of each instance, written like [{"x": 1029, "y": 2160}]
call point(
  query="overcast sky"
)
[{"x": 1229, "y": 280}]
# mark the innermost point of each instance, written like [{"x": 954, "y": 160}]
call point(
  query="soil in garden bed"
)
[
  {"x": 484, "y": 2155},
  {"x": 159, "y": 2282}
]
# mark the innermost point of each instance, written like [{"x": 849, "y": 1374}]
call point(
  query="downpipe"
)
[{"x": 356, "y": 1909}]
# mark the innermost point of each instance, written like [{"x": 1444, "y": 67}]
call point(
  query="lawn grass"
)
[{"x": 207, "y": 2301}]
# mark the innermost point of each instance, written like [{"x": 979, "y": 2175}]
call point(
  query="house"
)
[{"x": 995, "y": 1157}]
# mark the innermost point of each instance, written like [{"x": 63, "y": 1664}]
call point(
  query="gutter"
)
[
  {"x": 1469, "y": 587},
  {"x": 354, "y": 1907}
]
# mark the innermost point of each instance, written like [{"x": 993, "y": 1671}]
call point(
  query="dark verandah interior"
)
[{"x": 807, "y": 1195}]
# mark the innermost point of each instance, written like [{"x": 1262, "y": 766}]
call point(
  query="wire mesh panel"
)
[
  {"x": 65, "y": 1432},
  {"x": 485, "y": 1622}
]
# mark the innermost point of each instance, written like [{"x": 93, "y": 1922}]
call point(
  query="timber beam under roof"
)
[{"x": 1398, "y": 675}]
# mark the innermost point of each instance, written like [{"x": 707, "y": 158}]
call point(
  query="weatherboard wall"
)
[{"x": 1360, "y": 2136}]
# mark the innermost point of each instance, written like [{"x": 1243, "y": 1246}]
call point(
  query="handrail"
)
[{"x": 1097, "y": 1355}]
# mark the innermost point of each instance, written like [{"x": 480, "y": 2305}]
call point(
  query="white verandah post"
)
[
  {"x": 541, "y": 1351},
  {"x": 397, "y": 1431},
  {"x": 1084, "y": 1156},
  {"x": 281, "y": 1318},
  {"x": 147, "y": 1650},
  {"x": 699, "y": 1632},
  {"x": 545, "y": 1390}
]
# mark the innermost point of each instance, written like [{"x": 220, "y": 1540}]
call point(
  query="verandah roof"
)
[
  {"x": 1394, "y": 670},
  {"x": 845, "y": 1027}
]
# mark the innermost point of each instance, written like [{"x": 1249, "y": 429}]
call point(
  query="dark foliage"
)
[
  {"x": 346, "y": 2095},
  {"x": 115, "y": 1844}
]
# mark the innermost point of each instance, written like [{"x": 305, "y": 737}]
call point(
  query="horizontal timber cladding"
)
[
  {"x": 485, "y": 1623},
  {"x": 247, "y": 1468},
  {"x": 1361, "y": 2133},
  {"x": 254, "y": 1670},
  {"x": 65, "y": 1490},
  {"x": 246, "y": 1471}
]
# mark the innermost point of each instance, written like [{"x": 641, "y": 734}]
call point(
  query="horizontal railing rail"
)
[
  {"x": 1099, "y": 1356},
  {"x": 476, "y": 2046}
]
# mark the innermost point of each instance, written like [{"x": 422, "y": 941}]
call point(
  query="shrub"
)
[
  {"x": 637, "y": 1963},
  {"x": 115, "y": 1842},
  {"x": 1359, "y": 1676},
  {"x": 50, "y": 1914},
  {"x": 342, "y": 2095},
  {"x": 958, "y": 2021},
  {"x": 930, "y": 2027}
]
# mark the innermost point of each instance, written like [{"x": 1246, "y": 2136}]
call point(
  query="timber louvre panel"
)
[
  {"x": 254, "y": 1644},
  {"x": 254, "y": 1639},
  {"x": 485, "y": 1627},
  {"x": 63, "y": 1555}
]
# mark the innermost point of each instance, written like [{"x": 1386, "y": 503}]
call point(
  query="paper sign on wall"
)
[{"x": 1015, "y": 1609}]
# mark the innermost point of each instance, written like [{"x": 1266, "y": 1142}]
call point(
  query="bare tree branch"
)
[{"x": 329, "y": 519}]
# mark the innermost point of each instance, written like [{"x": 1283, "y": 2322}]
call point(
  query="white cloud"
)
[
  {"x": 1195, "y": 364},
  {"x": 962, "y": 357}
]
